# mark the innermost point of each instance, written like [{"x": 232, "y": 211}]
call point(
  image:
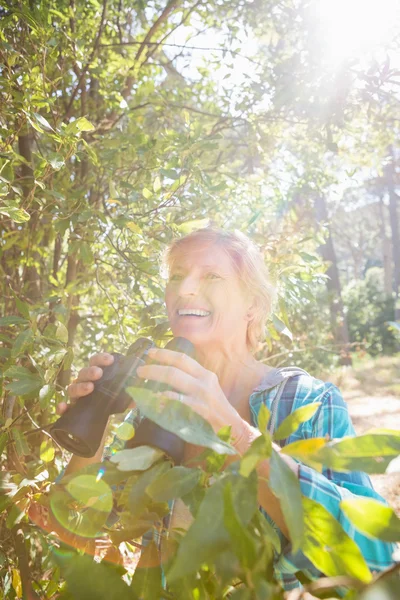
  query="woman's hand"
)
[
  {"x": 83, "y": 384},
  {"x": 195, "y": 386}
]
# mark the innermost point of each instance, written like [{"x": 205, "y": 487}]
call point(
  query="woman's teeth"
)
[{"x": 183, "y": 312}]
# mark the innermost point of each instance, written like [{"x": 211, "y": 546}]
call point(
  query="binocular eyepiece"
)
[{"x": 80, "y": 430}]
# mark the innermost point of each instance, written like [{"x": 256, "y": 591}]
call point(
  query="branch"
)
[
  {"x": 96, "y": 45},
  {"x": 146, "y": 43},
  {"x": 171, "y": 5}
]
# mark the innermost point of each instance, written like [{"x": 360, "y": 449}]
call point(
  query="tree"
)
[{"x": 115, "y": 140}]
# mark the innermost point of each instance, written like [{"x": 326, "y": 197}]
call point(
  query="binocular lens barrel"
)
[{"x": 81, "y": 428}]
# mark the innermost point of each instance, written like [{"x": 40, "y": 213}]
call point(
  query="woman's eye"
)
[
  {"x": 175, "y": 277},
  {"x": 213, "y": 276}
]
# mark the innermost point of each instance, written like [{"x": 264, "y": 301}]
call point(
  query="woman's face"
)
[{"x": 203, "y": 279}]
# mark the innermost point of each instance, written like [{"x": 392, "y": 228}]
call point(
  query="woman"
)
[{"x": 219, "y": 296}]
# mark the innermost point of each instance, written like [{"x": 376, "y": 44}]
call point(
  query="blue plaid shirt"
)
[{"x": 328, "y": 488}]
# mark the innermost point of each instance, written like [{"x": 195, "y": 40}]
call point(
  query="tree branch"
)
[{"x": 96, "y": 45}]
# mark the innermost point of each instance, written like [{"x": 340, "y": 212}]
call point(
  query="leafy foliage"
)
[{"x": 116, "y": 138}]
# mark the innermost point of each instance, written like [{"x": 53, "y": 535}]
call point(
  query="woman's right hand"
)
[{"x": 83, "y": 384}]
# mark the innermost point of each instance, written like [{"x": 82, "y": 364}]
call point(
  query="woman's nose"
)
[{"x": 190, "y": 286}]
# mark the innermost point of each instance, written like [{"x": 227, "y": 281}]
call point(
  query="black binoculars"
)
[{"x": 80, "y": 430}]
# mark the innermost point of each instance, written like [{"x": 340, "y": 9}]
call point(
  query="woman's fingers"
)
[
  {"x": 172, "y": 376},
  {"x": 77, "y": 390},
  {"x": 89, "y": 374},
  {"x": 82, "y": 385},
  {"x": 177, "y": 359},
  {"x": 102, "y": 359}
]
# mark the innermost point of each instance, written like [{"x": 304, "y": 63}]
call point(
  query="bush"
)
[{"x": 369, "y": 310}]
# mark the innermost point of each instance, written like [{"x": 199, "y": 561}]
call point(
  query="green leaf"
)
[
  {"x": 305, "y": 450},
  {"x": 135, "y": 497},
  {"x": 259, "y": 450},
  {"x": 373, "y": 518},
  {"x": 56, "y": 163},
  {"x": 146, "y": 582},
  {"x": 84, "y": 506},
  {"x": 157, "y": 185},
  {"x": 47, "y": 450},
  {"x": 292, "y": 422},
  {"x": 264, "y": 416},
  {"x": 18, "y": 215},
  {"x": 43, "y": 122},
  {"x": 147, "y": 193},
  {"x": 190, "y": 226},
  {"x": 61, "y": 332},
  {"x": 170, "y": 173},
  {"x": 136, "y": 459},
  {"x": 180, "y": 419},
  {"x": 89, "y": 580},
  {"x": 45, "y": 395},
  {"x": 12, "y": 320},
  {"x": 328, "y": 546},
  {"x": 207, "y": 537},
  {"x": 22, "y": 342},
  {"x": 23, "y": 307},
  {"x": 175, "y": 483},
  {"x": 243, "y": 543},
  {"x": 281, "y": 327},
  {"x": 286, "y": 487},
  {"x": 81, "y": 124},
  {"x": 23, "y": 381},
  {"x": 371, "y": 452},
  {"x": 86, "y": 254},
  {"x": 91, "y": 492}
]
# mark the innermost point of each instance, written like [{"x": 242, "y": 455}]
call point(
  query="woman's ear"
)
[{"x": 251, "y": 310}]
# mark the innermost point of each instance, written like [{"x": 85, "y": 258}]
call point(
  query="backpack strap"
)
[{"x": 279, "y": 409}]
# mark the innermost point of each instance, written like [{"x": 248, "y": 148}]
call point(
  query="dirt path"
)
[{"x": 369, "y": 412}]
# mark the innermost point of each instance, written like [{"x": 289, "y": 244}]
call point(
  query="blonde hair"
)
[{"x": 249, "y": 265}]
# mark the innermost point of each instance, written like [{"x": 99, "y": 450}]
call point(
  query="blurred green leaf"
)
[
  {"x": 292, "y": 422},
  {"x": 180, "y": 419},
  {"x": 22, "y": 342},
  {"x": 175, "y": 483},
  {"x": 281, "y": 327},
  {"x": 43, "y": 122},
  {"x": 207, "y": 536},
  {"x": 371, "y": 452},
  {"x": 23, "y": 381},
  {"x": 18, "y": 215},
  {"x": 243, "y": 543},
  {"x": 264, "y": 416},
  {"x": 136, "y": 459},
  {"x": 286, "y": 487},
  {"x": 372, "y": 518},
  {"x": 260, "y": 449},
  {"x": 146, "y": 581},
  {"x": 304, "y": 450},
  {"x": 81, "y": 124},
  {"x": 328, "y": 546},
  {"x": 89, "y": 580},
  {"x": 47, "y": 450}
]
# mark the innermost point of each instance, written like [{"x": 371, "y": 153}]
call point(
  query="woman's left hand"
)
[{"x": 195, "y": 386}]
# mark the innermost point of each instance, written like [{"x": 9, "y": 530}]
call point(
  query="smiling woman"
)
[
  {"x": 219, "y": 296},
  {"x": 226, "y": 268}
]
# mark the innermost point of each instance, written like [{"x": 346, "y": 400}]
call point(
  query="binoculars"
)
[{"x": 80, "y": 430}]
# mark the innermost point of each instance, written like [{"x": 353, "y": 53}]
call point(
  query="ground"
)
[{"x": 372, "y": 390}]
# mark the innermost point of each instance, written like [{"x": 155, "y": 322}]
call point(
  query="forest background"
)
[{"x": 126, "y": 124}]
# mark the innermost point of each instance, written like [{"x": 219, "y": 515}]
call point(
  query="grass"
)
[{"x": 378, "y": 376}]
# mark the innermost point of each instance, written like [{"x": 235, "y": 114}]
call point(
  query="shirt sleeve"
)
[{"x": 330, "y": 487}]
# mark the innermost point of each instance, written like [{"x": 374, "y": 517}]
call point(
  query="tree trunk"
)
[
  {"x": 338, "y": 319},
  {"x": 386, "y": 252},
  {"x": 394, "y": 226}
]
